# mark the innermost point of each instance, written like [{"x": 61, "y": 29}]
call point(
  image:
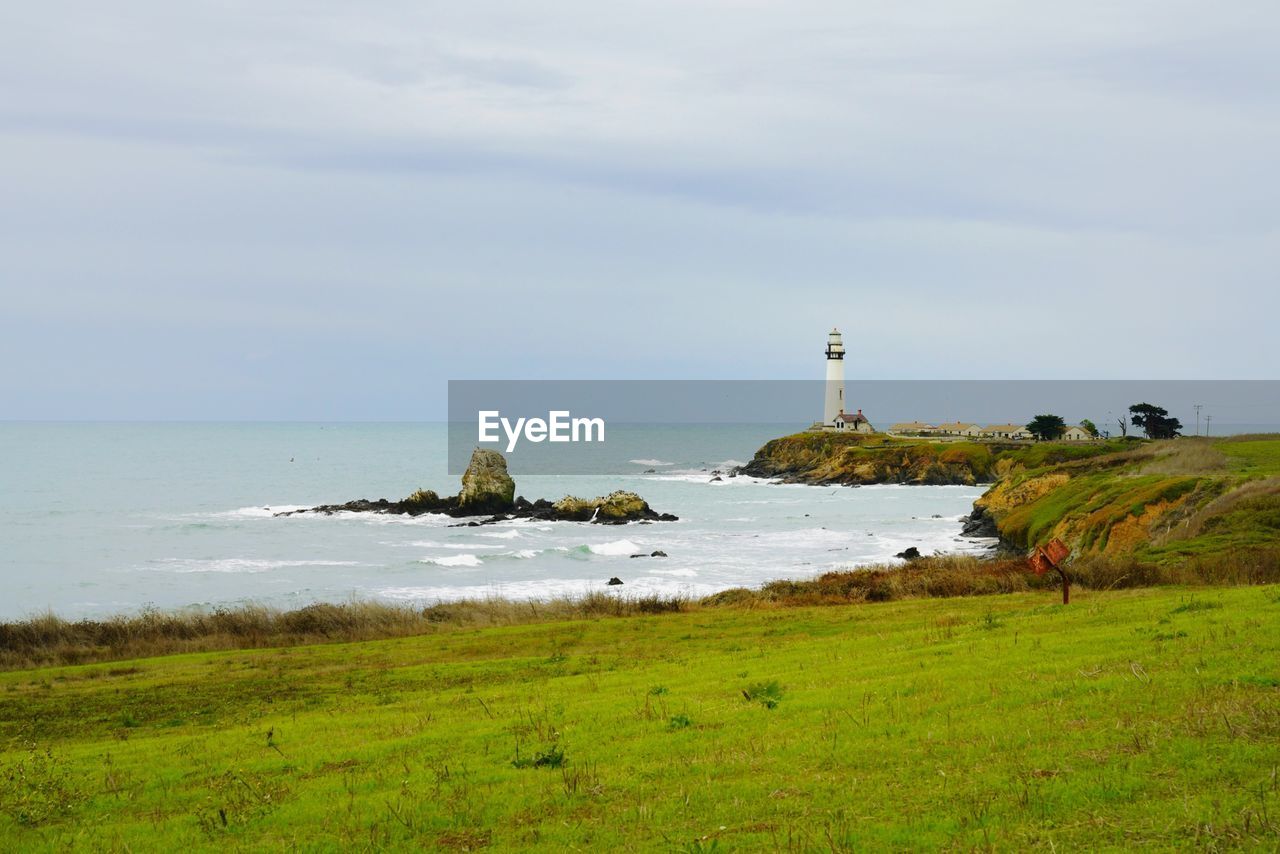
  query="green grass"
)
[
  {"x": 1255, "y": 455},
  {"x": 1131, "y": 717},
  {"x": 1050, "y": 453}
]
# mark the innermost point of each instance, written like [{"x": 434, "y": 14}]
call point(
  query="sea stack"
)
[{"x": 486, "y": 486}]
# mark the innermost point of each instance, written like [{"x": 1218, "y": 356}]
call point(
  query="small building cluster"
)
[{"x": 977, "y": 431}]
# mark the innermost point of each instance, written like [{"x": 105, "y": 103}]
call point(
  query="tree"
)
[
  {"x": 1154, "y": 421},
  {"x": 1090, "y": 427},
  {"x": 1124, "y": 426},
  {"x": 1046, "y": 427}
]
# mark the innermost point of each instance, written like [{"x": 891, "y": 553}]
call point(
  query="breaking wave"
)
[
  {"x": 454, "y": 560},
  {"x": 239, "y": 564}
]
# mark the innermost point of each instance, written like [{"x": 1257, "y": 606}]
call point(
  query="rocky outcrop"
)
[
  {"x": 855, "y": 460},
  {"x": 979, "y": 524},
  {"x": 488, "y": 490},
  {"x": 486, "y": 486},
  {"x": 617, "y": 508}
]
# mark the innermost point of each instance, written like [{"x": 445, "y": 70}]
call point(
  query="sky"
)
[{"x": 273, "y": 210}]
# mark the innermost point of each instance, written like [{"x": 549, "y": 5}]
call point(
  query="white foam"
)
[
  {"x": 542, "y": 589},
  {"x": 651, "y": 462},
  {"x": 502, "y": 535},
  {"x": 264, "y": 512},
  {"x": 237, "y": 564},
  {"x": 453, "y": 560},
  {"x": 617, "y": 547}
]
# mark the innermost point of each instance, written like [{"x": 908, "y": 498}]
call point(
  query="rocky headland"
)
[
  {"x": 1164, "y": 501},
  {"x": 824, "y": 459},
  {"x": 488, "y": 491}
]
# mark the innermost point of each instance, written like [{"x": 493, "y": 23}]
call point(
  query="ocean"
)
[{"x": 106, "y": 518}]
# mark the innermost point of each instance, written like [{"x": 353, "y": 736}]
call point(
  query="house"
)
[
  {"x": 959, "y": 428},
  {"x": 1077, "y": 434},
  {"x": 912, "y": 428},
  {"x": 853, "y": 423},
  {"x": 1005, "y": 431}
]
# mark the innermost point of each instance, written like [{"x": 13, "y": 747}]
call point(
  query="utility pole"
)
[
  {"x": 1197, "y": 409},
  {"x": 1208, "y": 419}
]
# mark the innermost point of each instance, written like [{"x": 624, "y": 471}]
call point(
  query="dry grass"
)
[
  {"x": 1185, "y": 456},
  {"x": 1261, "y": 566},
  {"x": 936, "y": 577},
  {"x": 51, "y": 640},
  {"x": 1249, "y": 493}
]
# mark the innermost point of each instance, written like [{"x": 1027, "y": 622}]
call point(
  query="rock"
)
[
  {"x": 486, "y": 486},
  {"x": 616, "y": 508},
  {"x": 423, "y": 501},
  {"x": 487, "y": 489},
  {"x": 658, "y": 553},
  {"x": 979, "y": 524},
  {"x": 650, "y": 471},
  {"x": 912, "y": 553},
  {"x": 716, "y": 479},
  {"x": 615, "y": 581}
]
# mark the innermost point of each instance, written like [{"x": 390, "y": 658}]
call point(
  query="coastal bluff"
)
[
  {"x": 1155, "y": 502},
  {"x": 488, "y": 490},
  {"x": 850, "y": 459}
]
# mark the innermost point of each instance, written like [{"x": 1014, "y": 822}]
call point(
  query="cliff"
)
[
  {"x": 1159, "y": 502},
  {"x": 852, "y": 459},
  {"x": 1156, "y": 501}
]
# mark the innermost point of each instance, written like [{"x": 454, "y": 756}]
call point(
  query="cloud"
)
[{"x": 623, "y": 191}]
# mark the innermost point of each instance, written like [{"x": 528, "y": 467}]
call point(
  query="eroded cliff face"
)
[{"x": 1159, "y": 502}]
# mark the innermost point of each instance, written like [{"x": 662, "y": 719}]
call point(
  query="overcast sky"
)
[{"x": 325, "y": 210}]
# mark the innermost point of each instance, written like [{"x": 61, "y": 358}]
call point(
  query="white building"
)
[
  {"x": 834, "y": 416},
  {"x": 959, "y": 428},
  {"x": 1005, "y": 431},
  {"x": 1076, "y": 434},
  {"x": 833, "y": 404},
  {"x": 913, "y": 428}
]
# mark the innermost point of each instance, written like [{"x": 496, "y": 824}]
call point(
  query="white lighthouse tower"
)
[{"x": 834, "y": 406}]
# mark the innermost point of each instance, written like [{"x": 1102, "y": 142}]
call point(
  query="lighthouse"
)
[
  {"x": 834, "y": 406},
  {"x": 834, "y": 416}
]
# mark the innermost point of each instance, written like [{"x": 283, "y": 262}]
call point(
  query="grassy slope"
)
[
  {"x": 1162, "y": 502},
  {"x": 1132, "y": 716}
]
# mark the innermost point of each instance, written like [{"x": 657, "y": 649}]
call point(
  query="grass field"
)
[{"x": 1130, "y": 717}]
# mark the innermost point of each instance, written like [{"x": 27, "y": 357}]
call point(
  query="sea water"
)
[{"x": 104, "y": 518}]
